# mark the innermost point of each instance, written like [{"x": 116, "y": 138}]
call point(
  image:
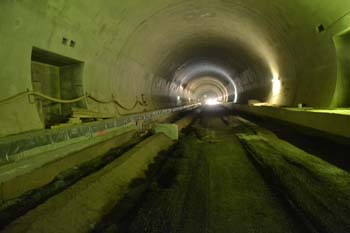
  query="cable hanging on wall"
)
[{"x": 75, "y": 100}]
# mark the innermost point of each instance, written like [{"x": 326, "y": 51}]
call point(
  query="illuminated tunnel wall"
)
[{"x": 171, "y": 52}]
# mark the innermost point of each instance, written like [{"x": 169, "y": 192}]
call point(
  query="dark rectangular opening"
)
[{"x": 59, "y": 77}]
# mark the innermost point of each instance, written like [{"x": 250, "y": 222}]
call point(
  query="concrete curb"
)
[{"x": 84, "y": 204}]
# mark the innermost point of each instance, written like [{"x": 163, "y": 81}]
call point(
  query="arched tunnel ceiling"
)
[
  {"x": 227, "y": 32},
  {"x": 259, "y": 41},
  {"x": 134, "y": 48}
]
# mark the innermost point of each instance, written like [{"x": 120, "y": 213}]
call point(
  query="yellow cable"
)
[
  {"x": 57, "y": 100},
  {"x": 137, "y": 102},
  {"x": 117, "y": 103},
  {"x": 13, "y": 97}
]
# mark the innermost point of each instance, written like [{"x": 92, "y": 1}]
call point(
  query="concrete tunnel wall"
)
[{"x": 134, "y": 47}]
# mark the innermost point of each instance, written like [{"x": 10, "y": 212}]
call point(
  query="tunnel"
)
[{"x": 174, "y": 116}]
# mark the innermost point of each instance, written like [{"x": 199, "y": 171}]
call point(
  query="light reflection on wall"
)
[{"x": 276, "y": 88}]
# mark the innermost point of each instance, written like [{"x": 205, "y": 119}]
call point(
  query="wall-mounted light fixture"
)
[{"x": 276, "y": 85}]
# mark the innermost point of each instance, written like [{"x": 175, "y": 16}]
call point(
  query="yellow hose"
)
[
  {"x": 61, "y": 101},
  {"x": 57, "y": 100},
  {"x": 3, "y": 101}
]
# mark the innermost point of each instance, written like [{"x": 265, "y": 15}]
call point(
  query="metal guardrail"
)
[{"x": 15, "y": 144}]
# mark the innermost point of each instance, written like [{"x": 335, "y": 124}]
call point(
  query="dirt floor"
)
[{"x": 207, "y": 183}]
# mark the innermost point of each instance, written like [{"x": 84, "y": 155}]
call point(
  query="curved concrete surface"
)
[{"x": 156, "y": 50}]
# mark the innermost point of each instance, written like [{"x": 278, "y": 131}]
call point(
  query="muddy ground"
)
[{"x": 206, "y": 183}]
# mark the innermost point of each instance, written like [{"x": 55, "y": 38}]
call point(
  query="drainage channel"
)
[
  {"x": 89, "y": 191},
  {"x": 15, "y": 208}
]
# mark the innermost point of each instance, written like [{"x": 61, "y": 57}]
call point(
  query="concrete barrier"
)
[
  {"x": 80, "y": 207},
  {"x": 326, "y": 122},
  {"x": 320, "y": 190}
]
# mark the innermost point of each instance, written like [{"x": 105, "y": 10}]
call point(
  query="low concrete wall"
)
[
  {"x": 38, "y": 166},
  {"x": 318, "y": 189},
  {"x": 18, "y": 178},
  {"x": 95, "y": 195},
  {"x": 334, "y": 124}
]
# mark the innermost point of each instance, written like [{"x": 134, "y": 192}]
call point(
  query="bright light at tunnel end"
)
[
  {"x": 212, "y": 101},
  {"x": 206, "y": 69}
]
